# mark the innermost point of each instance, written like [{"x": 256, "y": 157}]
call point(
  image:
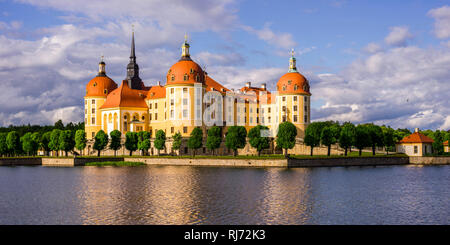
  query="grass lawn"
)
[{"x": 117, "y": 163}]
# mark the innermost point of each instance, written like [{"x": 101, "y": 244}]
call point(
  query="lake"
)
[{"x": 214, "y": 195}]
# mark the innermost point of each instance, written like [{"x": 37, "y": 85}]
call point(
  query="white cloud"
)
[
  {"x": 398, "y": 36},
  {"x": 372, "y": 48},
  {"x": 402, "y": 87},
  {"x": 442, "y": 24},
  {"x": 210, "y": 59},
  {"x": 446, "y": 124},
  {"x": 282, "y": 40}
]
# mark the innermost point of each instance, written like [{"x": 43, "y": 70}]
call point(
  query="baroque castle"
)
[{"x": 192, "y": 98}]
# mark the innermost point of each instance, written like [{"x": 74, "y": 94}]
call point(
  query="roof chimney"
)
[
  {"x": 263, "y": 86},
  {"x": 416, "y": 130},
  {"x": 247, "y": 84},
  {"x": 158, "y": 83}
]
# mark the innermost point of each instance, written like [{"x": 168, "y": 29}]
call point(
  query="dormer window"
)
[
  {"x": 295, "y": 87},
  {"x": 197, "y": 78},
  {"x": 284, "y": 88},
  {"x": 192, "y": 71},
  {"x": 105, "y": 91},
  {"x": 173, "y": 77},
  {"x": 186, "y": 77},
  {"x": 289, "y": 82}
]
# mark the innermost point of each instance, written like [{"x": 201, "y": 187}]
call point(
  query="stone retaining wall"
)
[
  {"x": 70, "y": 162},
  {"x": 351, "y": 161},
  {"x": 213, "y": 162},
  {"x": 429, "y": 160},
  {"x": 20, "y": 161}
]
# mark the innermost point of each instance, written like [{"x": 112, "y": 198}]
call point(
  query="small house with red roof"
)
[{"x": 415, "y": 144}]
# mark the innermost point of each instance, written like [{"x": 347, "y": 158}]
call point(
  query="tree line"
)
[
  {"x": 361, "y": 136},
  {"x": 71, "y": 137}
]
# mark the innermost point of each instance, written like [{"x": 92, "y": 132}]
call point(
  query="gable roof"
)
[
  {"x": 156, "y": 92},
  {"x": 212, "y": 84},
  {"x": 124, "y": 96},
  {"x": 416, "y": 137}
]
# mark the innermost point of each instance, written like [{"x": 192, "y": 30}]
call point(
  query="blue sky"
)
[{"x": 367, "y": 61}]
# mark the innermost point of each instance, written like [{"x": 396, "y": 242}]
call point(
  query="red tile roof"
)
[
  {"x": 446, "y": 143},
  {"x": 156, "y": 92},
  {"x": 124, "y": 96},
  {"x": 416, "y": 138},
  {"x": 211, "y": 83}
]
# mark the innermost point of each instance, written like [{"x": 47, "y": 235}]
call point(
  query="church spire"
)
[
  {"x": 292, "y": 62},
  {"x": 185, "y": 49},
  {"x": 134, "y": 81}
]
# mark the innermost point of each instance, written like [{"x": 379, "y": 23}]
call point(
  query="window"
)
[
  {"x": 93, "y": 134},
  {"x": 197, "y": 78},
  {"x": 268, "y": 110},
  {"x": 306, "y": 108},
  {"x": 192, "y": 71},
  {"x": 185, "y": 113},
  {"x": 257, "y": 110},
  {"x": 172, "y": 129},
  {"x": 172, "y": 114},
  {"x": 306, "y": 99},
  {"x": 295, "y": 118},
  {"x": 284, "y": 87},
  {"x": 186, "y": 77},
  {"x": 105, "y": 91},
  {"x": 156, "y": 116},
  {"x": 268, "y": 119},
  {"x": 156, "y": 105},
  {"x": 284, "y": 119},
  {"x": 185, "y": 90},
  {"x": 185, "y": 130},
  {"x": 172, "y": 102},
  {"x": 306, "y": 119},
  {"x": 93, "y": 110},
  {"x": 245, "y": 119},
  {"x": 150, "y": 106},
  {"x": 295, "y": 87},
  {"x": 93, "y": 120},
  {"x": 295, "y": 97},
  {"x": 185, "y": 101},
  {"x": 284, "y": 108},
  {"x": 93, "y": 102},
  {"x": 251, "y": 110},
  {"x": 85, "y": 111},
  {"x": 172, "y": 90},
  {"x": 173, "y": 77},
  {"x": 283, "y": 99},
  {"x": 85, "y": 102},
  {"x": 251, "y": 119},
  {"x": 416, "y": 149},
  {"x": 295, "y": 108},
  {"x": 150, "y": 116},
  {"x": 125, "y": 126},
  {"x": 143, "y": 118}
]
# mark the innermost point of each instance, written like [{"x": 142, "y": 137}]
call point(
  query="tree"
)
[
  {"x": 143, "y": 142},
  {"x": 362, "y": 137},
  {"x": 235, "y": 138},
  {"x": 36, "y": 138},
  {"x": 176, "y": 144},
  {"x": 66, "y": 141},
  {"x": 286, "y": 136},
  {"x": 13, "y": 143},
  {"x": 375, "y": 135},
  {"x": 28, "y": 144},
  {"x": 59, "y": 125},
  {"x": 195, "y": 140},
  {"x": 100, "y": 141},
  {"x": 399, "y": 134},
  {"x": 54, "y": 140},
  {"x": 312, "y": 135},
  {"x": 44, "y": 142},
  {"x": 258, "y": 141},
  {"x": 438, "y": 146},
  {"x": 347, "y": 136},
  {"x": 3, "y": 145},
  {"x": 160, "y": 140},
  {"x": 327, "y": 139},
  {"x": 131, "y": 142},
  {"x": 115, "y": 144},
  {"x": 388, "y": 138},
  {"x": 80, "y": 140},
  {"x": 214, "y": 138}
]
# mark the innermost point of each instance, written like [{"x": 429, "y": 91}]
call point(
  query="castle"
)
[{"x": 191, "y": 98}]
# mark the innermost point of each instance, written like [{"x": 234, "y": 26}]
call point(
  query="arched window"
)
[
  {"x": 284, "y": 87},
  {"x": 289, "y": 82},
  {"x": 197, "y": 78},
  {"x": 192, "y": 71},
  {"x": 173, "y": 77},
  {"x": 295, "y": 87},
  {"x": 186, "y": 77}
]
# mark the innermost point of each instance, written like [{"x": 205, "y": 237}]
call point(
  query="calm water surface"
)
[{"x": 212, "y": 195}]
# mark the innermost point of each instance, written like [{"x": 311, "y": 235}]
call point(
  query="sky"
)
[{"x": 386, "y": 62}]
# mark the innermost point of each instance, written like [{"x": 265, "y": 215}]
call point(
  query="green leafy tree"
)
[
  {"x": 312, "y": 135},
  {"x": 80, "y": 140},
  {"x": 176, "y": 144},
  {"x": 115, "y": 144},
  {"x": 327, "y": 138},
  {"x": 100, "y": 141},
  {"x": 375, "y": 135},
  {"x": 286, "y": 136},
  {"x": 438, "y": 144},
  {"x": 143, "y": 142},
  {"x": 257, "y": 140},
  {"x": 347, "y": 136},
  {"x": 59, "y": 125},
  {"x": 399, "y": 134},
  {"x": 362, "y": 137},
  {"x": 44, "y": 142},
  {"x": 195, "y": 140},
  {"x": 54, "y": 140},
  {"x": 28, "y": 144},
  {"x": 160, "y": 140},
  {"x": 388, "y": 138},
  {"x": 66, "y": 141},
  {"x": 131, "y": 142},
  {"x": 13, "y": 142},
  {"x": 3, "y": 145},
  {"x": 214, "y": 138},
  {"x": 235, "y": 138},
  {"x": 36, "y": 138}
]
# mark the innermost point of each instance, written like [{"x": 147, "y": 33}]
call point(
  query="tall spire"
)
[
  {"x": 134, "y": 81},
  {"x": 185, "y": 49},
  {"x": 292, "y": 63}
]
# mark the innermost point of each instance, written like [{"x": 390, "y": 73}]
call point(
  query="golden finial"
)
[{"x": 292, "y": 52}]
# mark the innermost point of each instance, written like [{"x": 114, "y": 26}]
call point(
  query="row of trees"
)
[{"x": 362, "y": 136}]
